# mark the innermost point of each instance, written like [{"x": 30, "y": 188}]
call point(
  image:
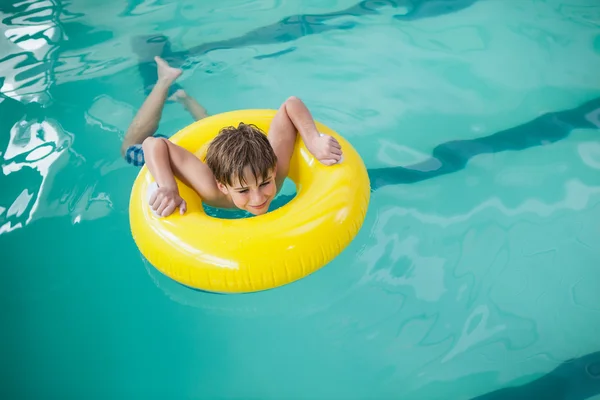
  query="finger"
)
[
  {"x": 162, "y": 206},
  {"x": 169, "y": 209},
  {"x": 328, "y": 161},
  {"x": 336, "y": 151},
  {"x": 157, "y": 201},
  {"x": 335, "y": 143},
  {"x": 153, "y": 197},
  {"x": 182, "y": 207}
]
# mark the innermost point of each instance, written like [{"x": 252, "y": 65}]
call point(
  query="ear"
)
[{"x": 222, "y": 188}]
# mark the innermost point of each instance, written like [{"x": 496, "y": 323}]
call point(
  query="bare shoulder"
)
[{"x": 196, "y": 174}]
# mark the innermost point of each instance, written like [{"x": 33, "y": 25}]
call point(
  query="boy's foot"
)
[
  {"x": 180, "y": 96},
  {"x": 166, "y": 73}
]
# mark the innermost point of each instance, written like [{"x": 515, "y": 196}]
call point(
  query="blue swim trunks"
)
[{"x": 134, "y": 154}]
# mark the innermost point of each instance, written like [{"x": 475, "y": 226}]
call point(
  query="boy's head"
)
[{"x": 244, "y": 165}]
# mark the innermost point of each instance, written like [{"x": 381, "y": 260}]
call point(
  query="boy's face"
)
[{"x": 254, "y": 195}]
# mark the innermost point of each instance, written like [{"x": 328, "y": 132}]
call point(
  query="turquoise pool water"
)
[{"x": 476, "y": 272}]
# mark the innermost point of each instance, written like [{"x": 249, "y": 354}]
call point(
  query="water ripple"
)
[
  {"x": 34, "y": 146},
  {"x": 26, "y": 72}
]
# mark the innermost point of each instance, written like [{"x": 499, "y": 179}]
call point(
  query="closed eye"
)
[{"x": 265, "y": 183}]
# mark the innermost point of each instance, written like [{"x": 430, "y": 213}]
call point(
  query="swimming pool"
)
[{"x": 475, "y": 273}]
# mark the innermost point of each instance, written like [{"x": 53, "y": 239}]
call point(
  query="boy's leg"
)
[
  {"x": 146, "y": 120},
  {"x": 146, "y": 47},
  {"x": 190, "y": 104}
]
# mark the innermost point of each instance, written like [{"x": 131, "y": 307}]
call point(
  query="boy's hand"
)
[
  {"x": 326, "y": 149},
  {"x": 165, "y": 200}
]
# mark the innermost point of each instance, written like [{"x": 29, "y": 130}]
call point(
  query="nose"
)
[{"x": 256, "y": 198}]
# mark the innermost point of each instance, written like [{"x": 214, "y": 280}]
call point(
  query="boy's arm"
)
[
  {"x": 292, "y": 117},
  {"x": 165, "y": 161}
]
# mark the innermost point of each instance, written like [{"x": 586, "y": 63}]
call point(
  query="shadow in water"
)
[
  {"x": 286, "y": 30},
  {"x": 452, "y": 156},
  {"x": 576, "y": 379}
]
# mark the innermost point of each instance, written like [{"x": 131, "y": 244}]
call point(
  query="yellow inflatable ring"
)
[{"x": 262, "y": 252}]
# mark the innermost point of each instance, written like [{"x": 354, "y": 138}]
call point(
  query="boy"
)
[{"x": 244, "y": 168}]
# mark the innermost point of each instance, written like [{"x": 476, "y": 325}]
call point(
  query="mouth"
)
[{"x": 260, "y": 206}]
